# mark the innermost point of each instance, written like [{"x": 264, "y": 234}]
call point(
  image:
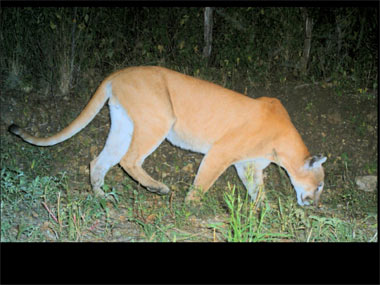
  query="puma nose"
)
[
  {"x": 305, "y": 199},
  {"x": 315, "y": 199}
]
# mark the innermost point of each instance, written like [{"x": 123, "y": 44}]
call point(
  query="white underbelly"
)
[{"x": 187, "y": 142}]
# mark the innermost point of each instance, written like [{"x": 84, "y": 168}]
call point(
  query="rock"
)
[
  {"x": 93, "y": 151},
  {"x": 372, "y": 116},
  {"x": 83, "y": 169},
  {"x": 334, "y": 118},
  {"x": 366, "y": 183},
  {"x": 370, "y": 129},
  {"x": 188, "y": 168}
]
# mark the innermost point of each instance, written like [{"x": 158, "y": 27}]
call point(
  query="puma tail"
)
[{"x": 85, "y": 117}]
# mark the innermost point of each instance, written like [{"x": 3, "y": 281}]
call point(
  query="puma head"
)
[{"x": 309, "y": 181}]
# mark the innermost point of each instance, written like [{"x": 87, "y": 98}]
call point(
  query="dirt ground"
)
[{"x": 343, "y": 128}]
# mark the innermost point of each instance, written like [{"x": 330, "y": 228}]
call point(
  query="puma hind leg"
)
[{"x": 116, "y": 146}]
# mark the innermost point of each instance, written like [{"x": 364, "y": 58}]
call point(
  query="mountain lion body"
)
[{"x": 150, "y": 104}]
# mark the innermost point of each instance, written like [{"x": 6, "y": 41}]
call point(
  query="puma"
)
[{"x": 150, "y": 104}]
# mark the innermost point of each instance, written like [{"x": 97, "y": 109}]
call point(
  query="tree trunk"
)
[
  {"x": 307, "y": 41},
  {"x": 208, "y": 19},
  {"x": 73, "y": 46},
  {"x": 362, "y": 20}
]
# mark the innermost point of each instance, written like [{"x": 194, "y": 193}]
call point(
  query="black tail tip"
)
[{"x": 14, "y": 129}]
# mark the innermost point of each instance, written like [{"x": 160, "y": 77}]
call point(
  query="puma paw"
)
[
  {"x": 162, "y": 189},
  {"x": 99, "y": 192},
  {"x": 193, "y": 196}
]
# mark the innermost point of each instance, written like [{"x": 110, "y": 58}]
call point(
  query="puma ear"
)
[{"x": 315, "y": 161}]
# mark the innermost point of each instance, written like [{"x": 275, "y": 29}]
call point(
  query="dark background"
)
[{"x": 62, "y": 50}]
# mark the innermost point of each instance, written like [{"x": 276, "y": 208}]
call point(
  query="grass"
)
[
  {"x": 42, "y": 209},
  {"x": 45, "y": 209},
  {"x": 289, "y": 222},
  {"x": 246, "y": 221}
]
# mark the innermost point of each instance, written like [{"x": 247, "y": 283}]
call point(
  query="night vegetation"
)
[{"x": 322, "y": 62}]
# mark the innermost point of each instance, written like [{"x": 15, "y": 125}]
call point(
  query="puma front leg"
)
[
  {"x": 251, "y": 174},
  {"x": 212, "y": 166}
]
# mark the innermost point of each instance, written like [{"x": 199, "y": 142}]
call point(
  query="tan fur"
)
[{"x": 149, "y": 104}]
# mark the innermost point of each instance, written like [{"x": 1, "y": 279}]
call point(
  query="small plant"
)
[
  {"x": 46, "y": 206},
  {"x": 244, "y": 225},
  {"x": 21, "y": 195},
  {"x": 309, "y": 106}
]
